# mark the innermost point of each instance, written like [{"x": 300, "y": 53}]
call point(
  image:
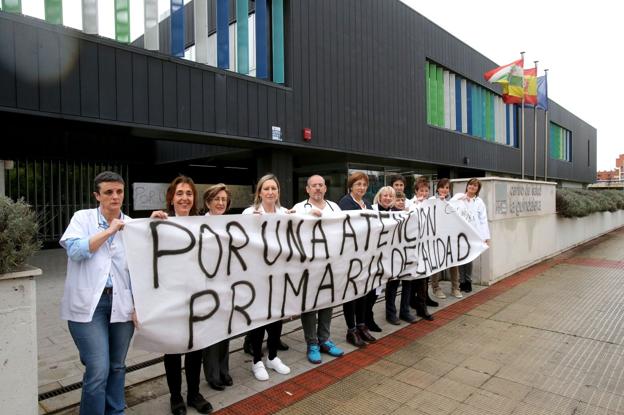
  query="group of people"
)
[{"x": 98, "y": 303}]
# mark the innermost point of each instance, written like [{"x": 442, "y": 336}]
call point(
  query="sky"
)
[{"x": 576, "y": 40}]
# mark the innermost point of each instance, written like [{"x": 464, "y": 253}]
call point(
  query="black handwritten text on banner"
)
[{"x": 199, "y": 280}]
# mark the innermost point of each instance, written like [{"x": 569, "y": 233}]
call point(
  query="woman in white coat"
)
[{"x": 472, "y": 208}]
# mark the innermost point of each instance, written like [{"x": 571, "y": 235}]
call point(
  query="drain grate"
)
[{"x": 78, "y": 385}]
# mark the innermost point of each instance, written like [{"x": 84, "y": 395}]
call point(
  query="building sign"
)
[
  {"x": 276, "y": 133},
  {"x": 521, "y": 198}
]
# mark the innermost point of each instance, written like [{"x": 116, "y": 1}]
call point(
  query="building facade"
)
[{"x": 369, "y": 85}]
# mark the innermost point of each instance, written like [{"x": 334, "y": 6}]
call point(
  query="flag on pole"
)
[
  {"x": 530, "y": 86},
  {"x": 503, "y": 74},
  {"x": 511, "y": 76},
  {"x": 542, "y": 93}
]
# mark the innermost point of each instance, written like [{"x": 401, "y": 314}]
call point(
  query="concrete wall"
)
[
  {"x": 18, "y": 342},
  {"x": 525, "y": 227}
]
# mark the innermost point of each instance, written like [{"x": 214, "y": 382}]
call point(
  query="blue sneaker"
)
[
  {"x": 331, "y": 349},
  {"x": 314, "y": 353}
]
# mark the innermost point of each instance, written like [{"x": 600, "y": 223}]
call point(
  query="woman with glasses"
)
[
  {"x": 355, "y": 310},
  {"x": 217, "y": 201}
]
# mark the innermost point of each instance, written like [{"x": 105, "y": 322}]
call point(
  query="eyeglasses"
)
[{"x": 219, "y": 199}]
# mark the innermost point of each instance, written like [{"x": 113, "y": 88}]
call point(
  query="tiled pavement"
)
[{"x": 547, "y": 340}]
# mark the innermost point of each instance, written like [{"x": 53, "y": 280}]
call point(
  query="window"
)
[
  {"x": 458, "y": 104},
  {"x": 560, "y": 143}
]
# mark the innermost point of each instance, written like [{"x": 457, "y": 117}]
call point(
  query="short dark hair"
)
[
  {"x": 396, "y": 178},
  {"x": 107, "y": 176}
]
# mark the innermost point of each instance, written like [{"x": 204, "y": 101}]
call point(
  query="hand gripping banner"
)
[{"x": 199, "y": 280}]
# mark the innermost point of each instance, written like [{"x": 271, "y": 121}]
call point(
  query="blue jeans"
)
[{"x": 103, "y": 347}]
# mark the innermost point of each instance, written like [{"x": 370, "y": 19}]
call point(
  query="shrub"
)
[
  {"x": 580, "y": 202},
  {"x": 18, "y": 233}
]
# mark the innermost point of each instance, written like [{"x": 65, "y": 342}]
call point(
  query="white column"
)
[
  {"x": 18, "y": 337},
  {"x": 200, "y": 9},
  {"x": 151, "y": 39},
  {"x": 90, "y": 16}
]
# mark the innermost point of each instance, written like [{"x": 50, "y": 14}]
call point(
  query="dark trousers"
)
[
  {"x": 192, "y": 368},
  {"x": 217, "y": 361},
  {"x": 371, "y": 299},
  {"x": 274, "y": 331},
  {"x": 465, "y": 272},
  {"x": 391, "y": 292},
  {"x": 354, "y": 312}
]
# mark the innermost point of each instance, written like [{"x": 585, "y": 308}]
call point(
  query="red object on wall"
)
[{"x": 307, "y": 134}]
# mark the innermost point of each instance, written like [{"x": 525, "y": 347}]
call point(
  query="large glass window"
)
[
  {"x": 560, "y": 143},
  {"x": 455, "y": 103}
]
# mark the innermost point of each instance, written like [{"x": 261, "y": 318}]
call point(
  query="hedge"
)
[
  {"x": 18, "y": 233},
  {"x": 581, "y": 202}
]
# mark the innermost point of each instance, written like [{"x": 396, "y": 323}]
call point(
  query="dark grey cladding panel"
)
[
  {"x": 7, "y": 63},
  {"x": 26, "y": 67},
  {"x": 140, "y": 94},
  {"x": 89, "y": 79},
  {"x": 155, "y": 91},
  {"x": 123, "y": 65},
  {"x": 49, "y": 72},
  {"x": 107, "y": 69}
]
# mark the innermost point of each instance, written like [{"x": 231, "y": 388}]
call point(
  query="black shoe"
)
[
  {"x": 362, "y": 330},
  {"x": 425, "y": 315},
  {"x": 227, "y": 380},
  {"x": 468, "y": 286},
  {"x": 393, "y": 320},
  {"x": 247, "y": 345},
  {"x": 282, "y": 346},
  {"x": 354, "y": 338},
  {"x": 430, "y": 302},
  {"x": 462, "y": 286},
  {"x": 218, "y": 386},
  {"x": 177, "y": 406},
  {"x": 372, "y": 326},
  {"x": 200, "y": 404},
  {"x": 408, "y": 318}
]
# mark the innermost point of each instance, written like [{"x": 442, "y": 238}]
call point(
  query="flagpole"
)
[
  {"x": 546, "y": 133},
  {"x": 535, "y": 132},
  {"x": 522, "y": 109}
]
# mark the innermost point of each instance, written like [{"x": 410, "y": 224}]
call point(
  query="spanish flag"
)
[{"x": 530, "y": 86}]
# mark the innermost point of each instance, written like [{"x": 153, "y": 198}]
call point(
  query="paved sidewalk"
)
[{"x": 548, "y": 340}]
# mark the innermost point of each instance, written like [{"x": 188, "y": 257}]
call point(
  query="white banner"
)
[{"x": 199, "y": 280}]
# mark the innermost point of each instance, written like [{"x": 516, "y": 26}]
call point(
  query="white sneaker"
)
[
  {"x": 438, "y": 293},
  {"x": 277, "y": 365},
  {"x": 456, "y": 293},
  {"x": 259, "y": 371}
]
